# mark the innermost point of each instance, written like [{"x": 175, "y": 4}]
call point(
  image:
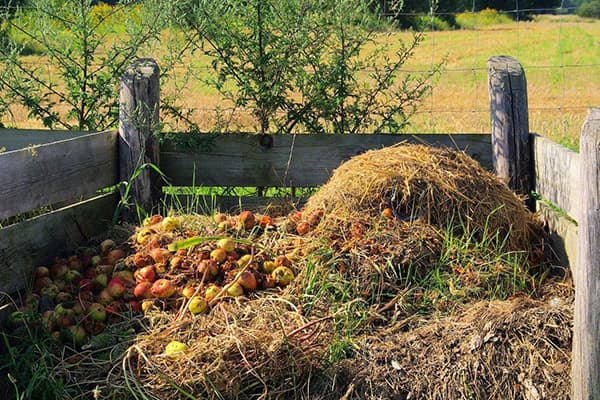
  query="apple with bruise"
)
[{"x": 163, "y": 288}]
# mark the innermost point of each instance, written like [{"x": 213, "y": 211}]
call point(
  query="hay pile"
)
[
  {"x": 492, "y": 350},
  {"x": 239, "y": 349},
  {"x": 440, "y": 187}
]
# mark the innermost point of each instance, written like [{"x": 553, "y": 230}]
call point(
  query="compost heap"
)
[{"x": 380, "y": 296}]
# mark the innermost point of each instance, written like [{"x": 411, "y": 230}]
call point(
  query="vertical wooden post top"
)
[
  {"x": 511, "y": 142},
  {"x": 138, "y": 120},
  {"x": 585, "y": 373}
]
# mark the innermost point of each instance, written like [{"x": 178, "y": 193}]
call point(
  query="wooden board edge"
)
[
  {"x": 562, "y": 233},
  {"x": 38, "y": 240}
]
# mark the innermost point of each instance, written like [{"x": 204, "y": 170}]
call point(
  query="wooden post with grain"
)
[
  {"x": 585, "y": 372},
  {"x": 138, "y": 120},
  {"x": 511, "y": 144}
]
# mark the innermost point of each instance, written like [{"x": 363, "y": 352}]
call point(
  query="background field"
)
[{"x": 560, "y": 54}]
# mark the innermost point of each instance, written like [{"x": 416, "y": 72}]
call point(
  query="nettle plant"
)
[
  {"x": 307, "y": 65},
  {"x": 82, "y": 51}
]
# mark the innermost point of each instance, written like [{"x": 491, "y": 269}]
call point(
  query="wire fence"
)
[{"x": 558, "y": 51}]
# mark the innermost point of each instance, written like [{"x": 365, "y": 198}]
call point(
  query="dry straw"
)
[
  {"x": 441, "y": 187},
  {"x": 506, "y": 350}
]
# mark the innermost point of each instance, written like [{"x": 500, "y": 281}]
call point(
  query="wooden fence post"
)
[
  {"x": 511, "y": 143},
  {"x": 585, "y": 373},
  {"x": 138, "y": 120}
]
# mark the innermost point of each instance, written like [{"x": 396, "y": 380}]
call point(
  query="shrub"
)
[
  {"x": 295, "y": 64},
  {"x": 425, "y": 23},
  {"x": 486, "y": 17},
  {"x": 589, "y": 10}
]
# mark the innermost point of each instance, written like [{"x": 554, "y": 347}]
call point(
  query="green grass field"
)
[{"x": 560, "y": 54}]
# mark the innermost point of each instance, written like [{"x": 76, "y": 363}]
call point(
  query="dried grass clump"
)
[
  {"x": 441, "y": 187},
  {"x": 238, "y": 349},
  {"x": 506, "y": 350}
]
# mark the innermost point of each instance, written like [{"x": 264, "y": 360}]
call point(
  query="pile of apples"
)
[
  {"x": 163, "y": 264},
  {"x": 202, "y": 270}
]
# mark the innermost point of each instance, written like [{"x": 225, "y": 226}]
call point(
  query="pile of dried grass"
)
[
  {"x": 238, "y": 350},
  {"x": 506, "y": 350},
  {"x": 441, "y": 187}
]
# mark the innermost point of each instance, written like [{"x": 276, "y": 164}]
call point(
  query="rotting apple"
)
[
  {"x": 106, "y": 246},
  {"x": 244, "y": 260},
  {"x": 175, "y": 349},
  {"x": 146, "y": 273},
  {"x": 144, "y": 234},
  {"x": 41, "y": 272},
  {"x": 97, "y": 312},
  {"x": 226, "y": 244},
  {"x": 163, "y": 288},
  {"x": 170, "y": 223},
  {"x": 58, "y": 271},
  {"x": 247, "y": 280},
  {"x": 142, "y": 290},
  {"x": 211, "y": 292},
  {"x": 302, "y": 228},
  {"x": 269, "y": 266},
  {"x": 115, "y": 255},
  {"x": 282, "y": 275},
  {"x": 104, "y": 297},
  {"x": 218, "y": 255},
  {"x": 160, "y": 255},
  {"x": 219, "y": 217},
  {"x": 197, "y": 305},
  {"x": 116, "y": 287},
  {"x": 247, "y": 219},
  {"x": 234, "y": 289}
]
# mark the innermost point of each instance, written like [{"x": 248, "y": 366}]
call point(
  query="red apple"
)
[
  {"x": 163, "y": 288},
  {"x": 142, "y": 290},
  {"x": 116, "y": 287},
  {"x": 302, "y": 228},
  {"x": 247, "y": 280},
  {"x": 146, "y": 273}
]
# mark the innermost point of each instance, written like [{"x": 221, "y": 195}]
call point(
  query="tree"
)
[
  {"x": 87, "y": 49},
  {"x": 295, "y": 63},
  {"x": 589, "y": 10}
]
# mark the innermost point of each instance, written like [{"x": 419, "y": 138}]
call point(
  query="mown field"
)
[{"x": 561, "y": 57}]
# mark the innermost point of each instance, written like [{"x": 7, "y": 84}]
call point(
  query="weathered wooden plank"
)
[
  {"x": 138, "y": 120},
  {"x": 36, "y": 241},
  {"x": 562, "y": 233},
  {"x": 557, "y": 175},
  {"x": 14, "y": 139},
  {"x": 585, "y": 371},
  {"x": 292, "y": 160},
  {"x": 50, "y": 173},
  {"x": 510, "y": 124}
]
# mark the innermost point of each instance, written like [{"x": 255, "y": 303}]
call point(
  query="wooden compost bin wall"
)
[
  {"x": 78, "y": 164},
  {"x": 53, "y": 168}
]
